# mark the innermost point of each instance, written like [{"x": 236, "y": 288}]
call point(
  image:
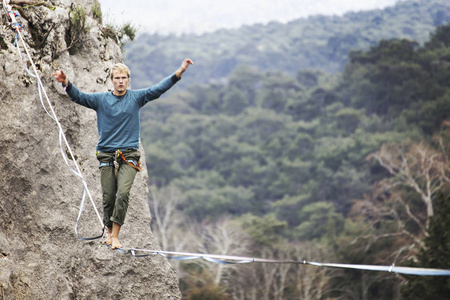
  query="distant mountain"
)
[
  {"x": 318, "y": 42},
  {"x": 189, "y": 17}
]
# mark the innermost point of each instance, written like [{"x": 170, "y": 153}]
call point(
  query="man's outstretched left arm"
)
[
  {"x": 160, "y": 88},
  {"x": 184, "y": 65}
]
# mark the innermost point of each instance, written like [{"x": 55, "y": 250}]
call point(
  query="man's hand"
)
[
  {"x": 184, "y": 65},
  {"x": 61, "y": 77}
]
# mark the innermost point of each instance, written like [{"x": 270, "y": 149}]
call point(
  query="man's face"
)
[{"x": 120, "y": 82}]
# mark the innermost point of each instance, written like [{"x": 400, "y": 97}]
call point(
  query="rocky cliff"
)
[{"x": 40, "y": 256}]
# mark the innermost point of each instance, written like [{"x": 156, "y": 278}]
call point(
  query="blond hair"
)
[{"x": 121, "y": 68}]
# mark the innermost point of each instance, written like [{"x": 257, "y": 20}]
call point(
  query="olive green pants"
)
[{"x": 116, "y": 191}]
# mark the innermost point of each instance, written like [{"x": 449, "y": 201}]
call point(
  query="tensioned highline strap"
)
[
  {"x": 17, "y": 27},
  {"x": 229, "y": 259}
]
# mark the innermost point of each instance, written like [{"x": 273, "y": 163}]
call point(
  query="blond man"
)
[{"x": 118, "y": 126}]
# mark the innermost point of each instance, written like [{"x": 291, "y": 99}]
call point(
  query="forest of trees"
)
[{"x": 347, "y": 167}]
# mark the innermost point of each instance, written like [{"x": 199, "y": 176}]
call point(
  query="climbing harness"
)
[
  {"x": 118, "y": 158},
  {"x": 130, "y": 162},
  {"x": 17, "y": 27}
]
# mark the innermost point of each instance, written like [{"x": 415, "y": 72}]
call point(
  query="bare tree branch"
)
[
  {"x": 421, "y": 168},
  {"x": 225, "y": 237}
]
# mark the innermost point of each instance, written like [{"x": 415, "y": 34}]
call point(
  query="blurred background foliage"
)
[{"x": 317, "y": 139}]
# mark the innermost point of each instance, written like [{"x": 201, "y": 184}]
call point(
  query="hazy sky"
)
[{"x": 199, "y": 16}]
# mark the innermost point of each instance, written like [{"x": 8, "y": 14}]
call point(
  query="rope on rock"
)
[{"x": 17, "y": 27}]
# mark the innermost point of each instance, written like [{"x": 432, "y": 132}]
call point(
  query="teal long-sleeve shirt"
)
[{"x": 118, "y": 121}]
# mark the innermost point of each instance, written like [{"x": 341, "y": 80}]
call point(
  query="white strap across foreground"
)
[
  {"x": 391, "y": 269},
  {"x": 228, "y": 259}
]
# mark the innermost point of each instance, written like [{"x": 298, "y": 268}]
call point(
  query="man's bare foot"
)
[
  {"x": 108, "y": 240},
  {"x": 115, "y": 243},
  {"x": 115, "y": 236}
]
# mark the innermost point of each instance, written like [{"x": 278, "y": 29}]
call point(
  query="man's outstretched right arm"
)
[
  {"x": 61, "y": 77},
  {"x": 87, "y": 100}
]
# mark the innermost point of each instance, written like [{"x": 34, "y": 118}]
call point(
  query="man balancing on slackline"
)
[{"x": 118, "y": 146}]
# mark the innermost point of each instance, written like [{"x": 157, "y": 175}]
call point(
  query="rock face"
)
[{"x": 40, "y": 256}]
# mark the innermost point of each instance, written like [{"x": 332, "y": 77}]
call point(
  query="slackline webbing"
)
[{"x": 229, "y": 259}]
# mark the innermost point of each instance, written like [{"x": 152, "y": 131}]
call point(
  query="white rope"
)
[{"x": 62, "y": 137}]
